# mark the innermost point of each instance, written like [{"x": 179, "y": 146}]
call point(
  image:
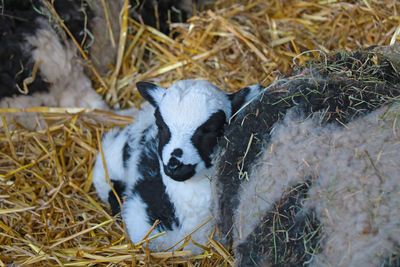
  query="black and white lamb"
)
[
  {"x": 309, "y": 173},
  {"x": 162, "y": 162},
  {"x": 36, "y": 51},
  {"x": 30, "y": 38}
]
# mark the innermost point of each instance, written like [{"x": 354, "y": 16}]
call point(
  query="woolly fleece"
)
[{"x": 356, "y": 177}]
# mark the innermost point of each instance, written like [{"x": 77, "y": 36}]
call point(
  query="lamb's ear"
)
[
  {"x": 151, "y": 92},
  {"x": 243, "y": 96}
]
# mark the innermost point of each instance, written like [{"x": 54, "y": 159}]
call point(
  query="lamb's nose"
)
[
  {"x": 177, "y": 153},
  {"x": 173, "y": 164}
]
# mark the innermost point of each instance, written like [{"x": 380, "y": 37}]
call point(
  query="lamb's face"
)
[
  {"x": 188, "y": 131},
  {"x": 190, "y": 117}
]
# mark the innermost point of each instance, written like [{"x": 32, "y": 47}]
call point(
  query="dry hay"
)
[
  {"x": 49, "y": 212},
  {"x": 250, "y": 43}
]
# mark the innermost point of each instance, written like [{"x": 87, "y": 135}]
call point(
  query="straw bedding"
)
[{"x": 49, "y": 212}]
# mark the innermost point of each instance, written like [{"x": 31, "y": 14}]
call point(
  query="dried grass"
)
[
  {"x": 49, "y": 211},
  {"x": 249, "y": 42}
]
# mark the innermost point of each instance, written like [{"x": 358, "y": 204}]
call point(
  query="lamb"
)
[
  {"x": 342, "y": 201},
  {"x": 162, "y": 162},
  {"x": 29, "y": 39},
  {"x": 34, "y": 44},
  {"x": 318, "y": 175}
]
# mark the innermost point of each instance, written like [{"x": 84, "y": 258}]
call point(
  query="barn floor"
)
[{"x": 49, "y": 212}]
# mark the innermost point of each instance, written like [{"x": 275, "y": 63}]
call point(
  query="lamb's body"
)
[
  {"x": 136, "y": 173},
  {"x": 181, "y": 207},
  {"x": 32, "y": 36},
  {"x": 162, "y": 162},
  {"x": 319, "y": 168},
  {"x": 29, "y": 38},
  {"x": 353, "y": 202}
]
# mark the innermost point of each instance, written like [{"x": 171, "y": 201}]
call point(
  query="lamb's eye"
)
[
  {"x": 206, "y": 130},
  {"x": 212, "y": 129},
  {"x": 161, "y": 129},
  {"x": 158, "y": 123}
]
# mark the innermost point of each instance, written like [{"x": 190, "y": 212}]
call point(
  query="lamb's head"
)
[{"x": 190, "y": 117}]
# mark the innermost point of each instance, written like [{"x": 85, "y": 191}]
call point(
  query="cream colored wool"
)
[
  {"x": 357, "y": 202},
  {"x": 61, "y": 67}
]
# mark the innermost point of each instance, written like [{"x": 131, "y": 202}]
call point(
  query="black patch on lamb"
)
[
  {"x": 287, "y": 235},
  {"x": 345, "y": 86}
]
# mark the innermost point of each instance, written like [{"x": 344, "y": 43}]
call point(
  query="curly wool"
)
[{"x": 356, "y": 184}]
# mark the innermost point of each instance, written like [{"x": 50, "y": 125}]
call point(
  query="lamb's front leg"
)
[{"x": 115, "y": 147}]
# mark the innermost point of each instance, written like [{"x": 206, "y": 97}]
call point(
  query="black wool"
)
[
  {"x": 151, "y": 189},
  {"x": 205, "y": 137},
  {"x": 287, "y": 235},
  {"x": 119, "y": 188},
  {"x": 336, "y": 91},
  {"x": 17, "y": 20}
]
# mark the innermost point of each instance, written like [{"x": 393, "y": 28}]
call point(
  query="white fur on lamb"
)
[
  {"x": 193, "y": 107},
  {"x": 113, "y": 143},
  {"x": 192, "y": 207}
]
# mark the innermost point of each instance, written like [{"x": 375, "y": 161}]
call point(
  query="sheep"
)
[
  {"x": 162, "y": 162},
  {"x": 316, "y": 177},
  {"x": 29, "y": 39},
  {"x": 34, "y": 44},
  {"x": 351, "y": 203}
]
